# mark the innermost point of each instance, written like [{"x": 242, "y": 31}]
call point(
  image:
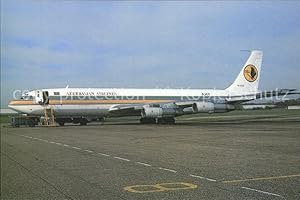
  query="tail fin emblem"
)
[{"x": 250, "y": 73}]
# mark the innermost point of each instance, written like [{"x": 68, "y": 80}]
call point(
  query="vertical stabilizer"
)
[{"x": 248, "y": 79}]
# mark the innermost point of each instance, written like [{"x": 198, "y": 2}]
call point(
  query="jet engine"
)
[
  {"x": 209, "y": 107},
  {"x": 154, "y": 112}
]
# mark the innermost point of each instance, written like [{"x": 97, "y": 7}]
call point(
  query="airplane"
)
[{"x": 154, "y": 106}]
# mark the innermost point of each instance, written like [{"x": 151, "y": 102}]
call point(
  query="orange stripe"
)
[{"x": 22, "y": 102}]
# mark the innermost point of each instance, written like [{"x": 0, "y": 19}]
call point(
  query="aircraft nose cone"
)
[{"x": 12, "y": 106}]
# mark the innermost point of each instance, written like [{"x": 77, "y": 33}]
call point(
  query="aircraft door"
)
[
  {"x": 39, "y": 96},
  {"x": 45, "y": 97}
]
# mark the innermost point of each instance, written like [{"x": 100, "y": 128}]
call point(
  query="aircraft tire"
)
[
  {"x": 61, "y": 122},
  {"x": 167, "y": 120},
  {"x": 148, "y": 121},
  {"x": 171, "y": 120}
]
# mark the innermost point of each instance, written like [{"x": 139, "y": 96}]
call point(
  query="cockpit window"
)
[{"x": 26, "y": 97}]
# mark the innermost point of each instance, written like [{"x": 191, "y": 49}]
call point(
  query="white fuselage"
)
[
  {"x": 101, "y": 102},
  {"x": 70, "y": 102}
]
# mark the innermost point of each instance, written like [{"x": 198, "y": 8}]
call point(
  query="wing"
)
[
  {"x": 136, "y": 109},
  {"x": 126, "y": 110}
]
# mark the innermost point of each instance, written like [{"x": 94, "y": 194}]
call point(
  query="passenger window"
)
[{"x": 56, "y": 93}]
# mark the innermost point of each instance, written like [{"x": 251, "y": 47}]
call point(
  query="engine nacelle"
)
[
  {"x": 221, "y": 108},
  {"x": 209, "y": 107},
  {"x": 203, "y": 107},
  {"x": 153, "y": 112}
]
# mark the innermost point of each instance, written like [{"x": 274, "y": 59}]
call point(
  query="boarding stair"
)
[{"x": 49, "y": 118}]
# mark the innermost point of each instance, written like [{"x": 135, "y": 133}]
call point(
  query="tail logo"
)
[{"x": 250, "y": 73}]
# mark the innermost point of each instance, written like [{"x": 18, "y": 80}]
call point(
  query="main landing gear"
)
[
  {"x": 164, "y": 120},
  {"x": 82, "y": 121}
]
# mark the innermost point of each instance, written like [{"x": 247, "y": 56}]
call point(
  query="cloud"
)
[{"x": 145, "y": 44}]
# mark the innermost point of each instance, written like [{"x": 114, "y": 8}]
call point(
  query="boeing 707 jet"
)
[{"x": 82, "y": 105}]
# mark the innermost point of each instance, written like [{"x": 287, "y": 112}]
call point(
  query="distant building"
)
[{"x": 296, "y": 107}]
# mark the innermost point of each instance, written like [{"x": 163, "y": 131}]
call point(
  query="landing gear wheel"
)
[
  {"x": 83, "y": 123},
  {"x": 61, "y": 123},
  {"x": 161, "y": 121},
  {"x": 170, "y": 120},
  {"x": 148, "y": 121},
  {"x": 167, "y": 120}
]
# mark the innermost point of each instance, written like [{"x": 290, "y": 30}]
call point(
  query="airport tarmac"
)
[{"x": 245, "y": 156}]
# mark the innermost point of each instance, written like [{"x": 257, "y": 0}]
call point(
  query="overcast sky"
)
[{"x": 47, "y": 44}]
